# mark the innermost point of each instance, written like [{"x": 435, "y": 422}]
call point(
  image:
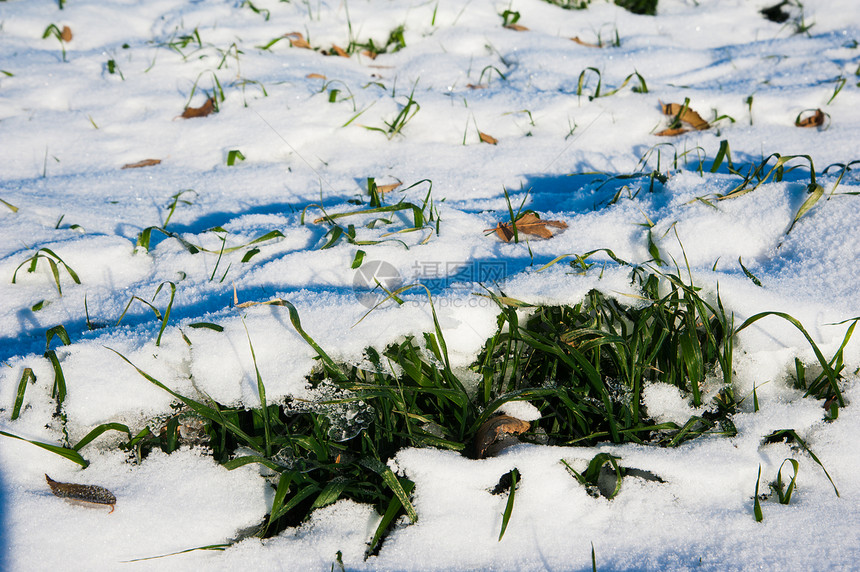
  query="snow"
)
[{"x": 69, "y": 126}]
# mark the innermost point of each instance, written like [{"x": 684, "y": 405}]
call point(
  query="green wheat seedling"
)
[
  {"x": 158, "y": 315},
  {"x": 54, "y": 263},
  {"x": 395, "y": 42},
  {"x": 423, "y": 216},
  {"x": 488, "y": 71},
  {"x": 826, "y": 384},
  {"x": 509, "y": 506},
  {"x": 144, "y": 240},
  {"x": 233, "y": 155},
  {"x": 784, "y": 493},
  {"x": 261, "y": 11},
  {"x": 647, "y": 7},
  {"x": 791, "y": 436},
  {"x": 53, "y": 31},
  {"x": 175, "y": 202},
  {"x": 396, "y": 125},
  {"x": 178, "y": 44},
  {"x": 590, "y": 478},
  {"x": 216, "y": 90},
  {"x": 581, "y": 84},
  {"x": 9, "y": 206}
]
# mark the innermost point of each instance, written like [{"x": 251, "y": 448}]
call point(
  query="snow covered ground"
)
[{"x": 73, "y": 113}]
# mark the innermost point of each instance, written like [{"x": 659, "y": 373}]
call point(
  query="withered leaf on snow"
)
[
  {"x": 517, "y": 28},
  {"x": 814, "y": 120},
  {"x": 297, "y": 40},
  {"x": 202, "y": 111},
  {"x": 487, "y": 138},
  {"x": 494, "y": 428},
  {"x": 82, "y": 493},
  {"x": 66, "y": 34},
  {"x": 144, "y": 163},
  {"x": 476, "y": 86},
  {"x": 338, "y": 51},
  {"x": 670, "y": 132},
  {"x": 387, "y": 188},
  {"x": 682, "y": 114},
  {"x": 586, "y": 44},
  {"x": 529, "y": 223},
  {"x": 315, "y": 76}
]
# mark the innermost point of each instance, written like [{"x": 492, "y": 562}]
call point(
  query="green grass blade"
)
[
  {"x": 203, "y": 410},
  {"x": 261, "y": 392},
  {"x": 815, "y": 193},
  {"x": 69, "y": 454},
  {"x": 26, "y": 376},
  {"x": 759, "y": 516},
  {"x": 831, "y": 375},
  {"x": 509, "y": 507},
  {"x": 393, "y": 483},
  {"x": 749, "y": 274},
  {"x": 167, "y": 311},
  {"x": 98, "y": 431}
]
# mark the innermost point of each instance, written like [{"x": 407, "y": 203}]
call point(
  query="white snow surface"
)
[{"x": 69, "y": 123}]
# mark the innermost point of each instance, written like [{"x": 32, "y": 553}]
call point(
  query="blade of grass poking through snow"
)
[
  {"x": 392, "y": 482},
  {"x": 831, "y": 375},
  {"x": 167, "y": 310},
  {"x": 187, "y": 550},
  {"x": 10, "y": 206},
  {"x": 580, "y": 259},
  {"x": 65, "y": 452},
  {"x": 815, "y": 192},
  {"x": 394, "y": 506},
  {"x": 784, "y": 495},
  {"x": 206, "y": 411},
  {"x": 261, "y": 392},
  {"x": 509, "y": 506},
  {"x": 26, "y": 376},
  {"x": 331, "y": 368},
  {"x": 92, "y": 435},
  {"x": 749, "y": 274},
  {"x": 281, "y": 491},
  {"x": 788, "y": 434},
  {"x": 52, "y": 259},
  {"x": 756, "y": 504}
]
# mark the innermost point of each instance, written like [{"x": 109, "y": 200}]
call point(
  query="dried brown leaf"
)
[
  {"x": 495, "y": 427},
  {"x": 687, "y": 115},
  {"x": 315, "y": 76},
  {"x": 297, "y": 40},
  {"x": 144, "y": 163},
  {"x": 66, "y": 34},
  {"x": 517, "y": 28},
  {"x": 584, "y": 43},
  {"x": 529, "y": 223},
  {"x": 202, "y": 111},
  {"x": 672, "y": 132},
  {"x": 476, "y": 86},
  {"x": 82, "y": 493},
  {"x": 387, "y": 188},
  {"x": 339, "y": 51},
  {"x": 488, "y": 138},
  {"x": 814, "y": 120},
  {"x": 368, "y": 53}
]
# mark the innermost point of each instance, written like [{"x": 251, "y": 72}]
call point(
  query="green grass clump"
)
[
  {"x": 582, "y": 366},
  {"x": 54, "y": 262},
  {"x": 646, "y": 7}
]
